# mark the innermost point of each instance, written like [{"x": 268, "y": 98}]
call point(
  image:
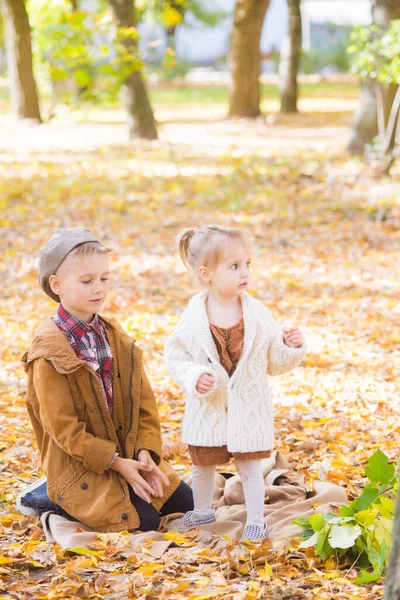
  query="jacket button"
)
[
  {"x": 124, "y": 517},
  {"x": 118, "y": 374},
  {"x": 120, "y": 427},
  {"x": 59, "y": 498},
  {"x": 84, "y": 486}
]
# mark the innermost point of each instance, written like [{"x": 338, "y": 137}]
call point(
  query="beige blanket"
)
[{"x": 286, "y": 499}]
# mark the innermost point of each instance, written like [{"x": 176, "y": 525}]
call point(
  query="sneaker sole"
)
[
  {"x": 25, "y": 510},
  {"x": 242, "y": 539}
]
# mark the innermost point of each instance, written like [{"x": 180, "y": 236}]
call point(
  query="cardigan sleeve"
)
[
  {"x": 184, "y": 369},
  {"x": 282, "y": 358}
]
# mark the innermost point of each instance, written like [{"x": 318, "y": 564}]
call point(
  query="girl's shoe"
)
[
  {"x": 254, "y": 533},
  {"x": 191, "y": 520}
]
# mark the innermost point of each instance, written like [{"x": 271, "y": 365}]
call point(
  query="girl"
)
[{"x": 225, "y": 344}]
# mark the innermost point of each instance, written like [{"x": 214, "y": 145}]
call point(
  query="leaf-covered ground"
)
[{"x": 326, "y": 257}]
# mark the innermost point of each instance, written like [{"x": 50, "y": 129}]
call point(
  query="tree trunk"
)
[
  {"x": 290, "y": 59},
  {"x": 365, "y": 124},
  {"x": 24, "y": 96},
  {"x": 244, "y": 97},
  {"x": 392, "y": 586},
  {"x": 140, "y": 117}
]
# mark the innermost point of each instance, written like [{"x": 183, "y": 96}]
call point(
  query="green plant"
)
[
  {"x": 360, "y": 534},
  {"x": 80, "y": 55},
  {"x": 376, "y": 56}
]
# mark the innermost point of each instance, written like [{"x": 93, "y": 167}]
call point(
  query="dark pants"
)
[{"x": 180, "y": 501}]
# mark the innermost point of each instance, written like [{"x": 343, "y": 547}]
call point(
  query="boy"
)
[{"x": 91, "y": 406}]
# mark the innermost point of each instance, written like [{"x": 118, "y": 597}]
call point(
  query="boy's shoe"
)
[
  {"x": 191, "y": 520},
  {"x": 28, "y": 500},
  {"x": 254, "y": 533}
]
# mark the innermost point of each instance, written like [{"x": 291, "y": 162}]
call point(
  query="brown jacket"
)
[{"x": 76, "y": 434}]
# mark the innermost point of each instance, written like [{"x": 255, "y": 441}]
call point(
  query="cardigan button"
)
[
  {"x": 124, "y": 517},
  {"x": 84, "y": 486}
]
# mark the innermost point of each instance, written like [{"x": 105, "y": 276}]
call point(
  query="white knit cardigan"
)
[{"x": 237, "y": 411}]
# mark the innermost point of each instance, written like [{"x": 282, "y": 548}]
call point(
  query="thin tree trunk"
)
[
  {"x": 290, "y": 59},
  {"x": 140, "y": 115},
  {"x": 365, "y": 124},
  {"x": 392, "y": 586},
  {"x": 244, "y": 96},
  {"x": 24, "y": 96}
]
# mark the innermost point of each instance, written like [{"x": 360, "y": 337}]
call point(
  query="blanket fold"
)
[{"x": 286, "y": 498}]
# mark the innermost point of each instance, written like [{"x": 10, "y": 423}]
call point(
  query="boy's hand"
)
[
  {"x": 129, "y": 469},
  {"x": 292, "y": 337},
  {"x": 205, "y": 383},
  {"x": 155, "y": 477}
]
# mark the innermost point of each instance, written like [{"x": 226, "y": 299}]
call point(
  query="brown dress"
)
[{"x": 229, "y": 343}]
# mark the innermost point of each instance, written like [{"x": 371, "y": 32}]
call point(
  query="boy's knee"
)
[
  {"x": 180, "y": 501},
  {"x": 149, "y": 522}
]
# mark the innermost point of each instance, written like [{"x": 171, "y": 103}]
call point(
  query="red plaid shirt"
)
[{"x": 89, "y": 341}]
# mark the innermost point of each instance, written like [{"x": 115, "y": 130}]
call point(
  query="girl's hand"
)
[
  {"x": 129, "y": 469},
  {"x": 293, "y": 337},
  {"x": 155, "y": 478},
  {"x": 205, "y": 383}
]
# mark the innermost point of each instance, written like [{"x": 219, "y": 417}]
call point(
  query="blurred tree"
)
[
  {"x": 365, "y": 125},
  {"x": 290, "y": 59},
  {"x": 24, "y": 96},
  {"x": 140, "y": 115},
  {"x": 244, "y": 96},
  {"x": 377, "y": 59}
]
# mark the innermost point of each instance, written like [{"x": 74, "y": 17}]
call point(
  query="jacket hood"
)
[{"x": 50, "y": 343}]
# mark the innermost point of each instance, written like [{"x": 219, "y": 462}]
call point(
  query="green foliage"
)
[
  {"x": 80, "y": 55},
  {"x": 376, "y": 56},
  {"x": 361, "y": 533},
  {"x": 171, "y": 12},
  {"x": 315, "y": 60}
]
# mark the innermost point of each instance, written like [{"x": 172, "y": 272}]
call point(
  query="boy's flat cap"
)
[{"x": 53, "y": 252}]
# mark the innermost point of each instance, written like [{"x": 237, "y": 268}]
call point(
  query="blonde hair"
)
[
  {"x": 88, "y": 248},
  {"x": 85, "y": 249},
  {"x": 205, "y": 246}
]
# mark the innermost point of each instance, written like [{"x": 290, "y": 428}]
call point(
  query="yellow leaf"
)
[
  {"x": 330, "y": 563},
  {"x": 175, "y": 536},
  {"x": 366, "y": 517},
  {"x": 35, "y": 563},
  {"x": 85, "y": 551},
  {"x": 149, "y": 568}
]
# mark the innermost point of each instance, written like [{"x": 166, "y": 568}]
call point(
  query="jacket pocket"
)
[{"x": 66, "y": 479}]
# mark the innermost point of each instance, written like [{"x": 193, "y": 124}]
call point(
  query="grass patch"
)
[{"x": 218, "y": 94}]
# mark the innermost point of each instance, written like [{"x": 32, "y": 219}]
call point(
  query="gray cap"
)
[{"x": 53, "y": 252}]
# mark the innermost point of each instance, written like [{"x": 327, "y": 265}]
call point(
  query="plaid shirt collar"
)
[
  {"x": 76, "y": 327},
  {"x": 89, "y": 341}
]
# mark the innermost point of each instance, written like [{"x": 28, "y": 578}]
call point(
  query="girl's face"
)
[{"x": 232, "y": 275}]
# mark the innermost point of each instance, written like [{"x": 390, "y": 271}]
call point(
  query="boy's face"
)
[{"x": 82, "y": 282}]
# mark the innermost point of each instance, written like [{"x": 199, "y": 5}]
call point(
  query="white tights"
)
[{"x": 253, "y": 487}]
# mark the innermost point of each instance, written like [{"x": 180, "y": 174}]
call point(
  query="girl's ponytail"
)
[
  {"x": 205, "y": 246},
  {"x": 184, "y": 239}
]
